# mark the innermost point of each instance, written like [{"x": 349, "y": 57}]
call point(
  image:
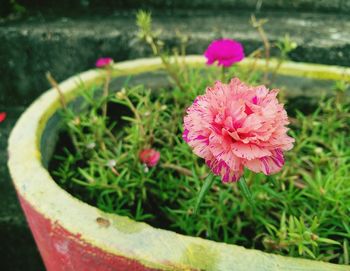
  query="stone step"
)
[
  {"x": 91, "y": 6},
  {"x": 18, "y": 251},
  {"x": 66, "y": 46}
]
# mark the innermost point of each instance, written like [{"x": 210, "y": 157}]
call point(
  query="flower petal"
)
[
  {"x": 249, "y": 151},
  {"x": 268, "y": 164}
]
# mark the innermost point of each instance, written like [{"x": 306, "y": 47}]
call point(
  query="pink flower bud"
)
[
  {"x": 2, "y": 116},
  {"x": 103, "y": 62},
  {"x": 150, "y": 157},
  {"x": 225, "y": 52}
]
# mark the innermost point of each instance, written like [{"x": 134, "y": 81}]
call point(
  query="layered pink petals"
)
[
  {"x": 267, "y": 164},
  {"x": 234, "y": 125},
  {"x": 225, "y": 52}
]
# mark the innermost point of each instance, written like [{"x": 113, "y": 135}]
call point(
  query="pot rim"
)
[{"x": 155, "y": 248}]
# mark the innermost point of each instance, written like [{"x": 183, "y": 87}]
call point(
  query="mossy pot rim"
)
[{"x": 152, "y": 247}]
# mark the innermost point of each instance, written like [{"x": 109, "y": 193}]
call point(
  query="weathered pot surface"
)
[{"x": 69, "y": 232}]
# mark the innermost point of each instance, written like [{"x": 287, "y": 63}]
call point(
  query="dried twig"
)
[
  {"x": 54, "y": 84},
  {"x": 182, "y": 170},
  {"x": 258, "y": 25}
]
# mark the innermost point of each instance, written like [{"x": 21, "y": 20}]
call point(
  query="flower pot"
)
[{"x": 72, "y": 235}]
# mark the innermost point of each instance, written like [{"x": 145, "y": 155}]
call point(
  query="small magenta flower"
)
[
  {"x": 106, "y": 63},
  {"x": 235, "y": 125},
  {"x": 149, "y": 157},
  {"x": 225, "y": 52},
  {"x": 103, "y": 62},
  {"x": 2, "y": 116}
]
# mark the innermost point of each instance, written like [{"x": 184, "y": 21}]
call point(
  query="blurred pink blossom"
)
[
  {"x": 235, "y": 125},
  {"x": 225, "y": 52},
  {"x": 2, "y": 116},
  {"x": 103, "y": 62},
  {"x": 150, "y": 157}
]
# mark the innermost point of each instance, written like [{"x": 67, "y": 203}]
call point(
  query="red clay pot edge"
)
[{"x": 62, "y": 250}]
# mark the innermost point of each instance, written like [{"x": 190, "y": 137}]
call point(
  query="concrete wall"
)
[
  {"x": 341, "y": 6},
  {"x": 67, "y": 45}
]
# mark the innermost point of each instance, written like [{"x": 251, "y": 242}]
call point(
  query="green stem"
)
[
  {"x": 208, "y": 182},
  {"x": 137, "y": 115},
  {"x": 105, "y": 91},
  {"x": 274, "y": 73},
  {"x": 172, "y": 73},
  {"x": 223, "y": 74},
  {"x": 242, "y": 184},
  {"x": 259, "y": 26}
]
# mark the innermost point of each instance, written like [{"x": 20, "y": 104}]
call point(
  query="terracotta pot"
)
[{"x": 72, "y": 235}]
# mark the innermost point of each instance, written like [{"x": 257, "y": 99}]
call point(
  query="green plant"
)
[
  {"x": 314, "y": 182},
  {"x": 302, "y": 211}
]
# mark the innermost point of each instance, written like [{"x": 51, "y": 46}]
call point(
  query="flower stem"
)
[
  {"x": 204, "y": 189},
  {"x": 259, "y": 26},
  {"x": 137, "y": 116},
  {"x": 274, "y": 73},
  {"x": 105, "y": 91},
  {"x": 223, "y": 74},
  {"x": 245, "y": 191},
  {"x": 167, "y": 65},
  {"x": 54, "y": 84},
  {"x": 182, "y": 170}
]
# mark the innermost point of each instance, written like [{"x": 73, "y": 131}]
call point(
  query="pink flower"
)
[
  {"x": 150, "y": 157},
  {"x": 225, "y": 51},
  {"x": 103, "y": 62},
  {"x": 2, "y": 116},
  {"x": 234, "y": 125}
]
